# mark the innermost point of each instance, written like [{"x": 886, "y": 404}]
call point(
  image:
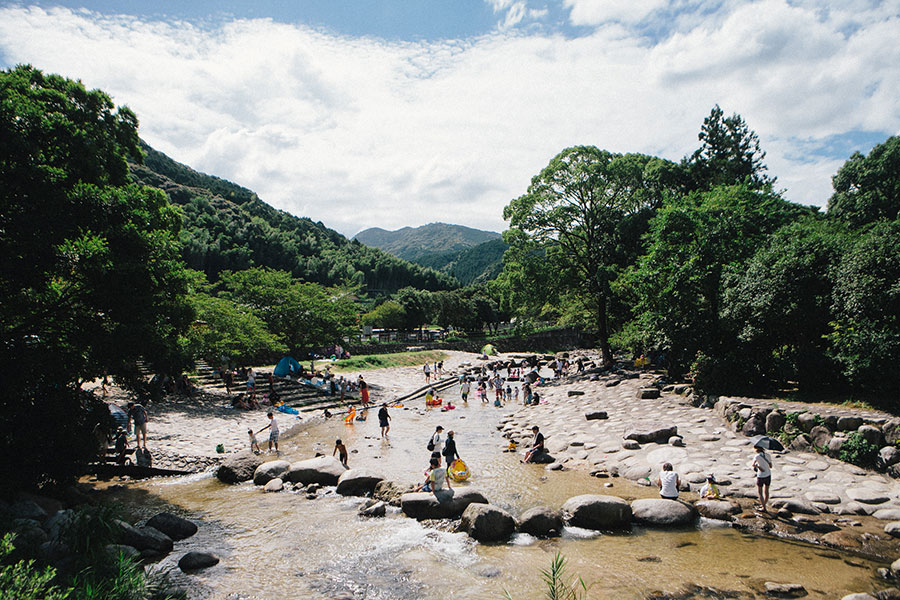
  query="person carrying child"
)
[{"x": 339, "y": 447}]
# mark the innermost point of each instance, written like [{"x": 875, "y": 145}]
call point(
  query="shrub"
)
[
  {"x": 22, "y": 580},
  {"x": 858, "y": 450}
]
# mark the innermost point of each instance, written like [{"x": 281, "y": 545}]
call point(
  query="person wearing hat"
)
[
  {"x": 710, "y": 489},
  {"x": 762, "y": 464}
]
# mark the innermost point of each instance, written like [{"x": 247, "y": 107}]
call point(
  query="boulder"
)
[
  {"x": 889, "y": 456},
  {"x": 755, "y": 425},
  {"x": 29, "y": 534},
  {"x": 144, "y": 538},
  {"x": 571, "y": 393},
  {"x": 358, "y": 482},
  {"x": 113, "y": 551},
  {"x": 593, "y": 511},
  {"x": 785, "y": 590},
  {"x": 801, "y": 443},
  {"x": 849, "y": 423},
  {"x": 797, "y": 506},
  {"x": 891, "y": 431},
  {"x": 806, "y": 421},
  {"x": 373, "y": 508},
  {"x": 871, "y": 434},
  {"x": 820, "y": 436},
  {"x": 677, "y": 441},
  {"x": 659, "y": 436},
  {"x": 541, "y": 521},
  {"x": 895, "y": 567},
  {"x": 775, "y": 421},
  {"x": 630, "y": 445},
  {"x": 648, "y": 393},
  {"x": 266, "y": 472},
  {"x": 596, "y": 415},
  {"x": 487, "y": 523},
  {"x": 324, "y": 470},
  {"x": 859, "y": 596},
  {"x": 58, "y": 523},
  {"x": 720, "y": 510},
  {"x": 173, "y": 526},
  {"x": 893, "y": 529},
  {"x": 447, "y": 504},
  {"x": 542, "y": 458},
  {"x": 239, "y": 467},
  {"x": 27, "y": 509},
  {"x": 194, "y": 561},
  {"x": 835, "y": 445},
  {"x": 660, "y": 512},
  {"x": 390, "y": 491},
  {"x": 274, "y": 485}
]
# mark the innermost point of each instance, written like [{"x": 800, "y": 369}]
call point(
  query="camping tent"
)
[
  {"x": 287, "y": 366},
  {"x": 488, "y": 349}
]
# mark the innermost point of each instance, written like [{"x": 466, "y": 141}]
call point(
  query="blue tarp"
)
[{"x": 287, "y": 366}]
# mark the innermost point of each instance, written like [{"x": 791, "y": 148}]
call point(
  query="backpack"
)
[{"x": 430, "y": 444}]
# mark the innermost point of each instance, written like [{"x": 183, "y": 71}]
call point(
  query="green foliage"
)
[
  {"x": 568, "y": 232},
  {"x": 729, "y": 155},
  {"x": 866, "y": 329},
  {"x": 384, "y": 361},
  {"x": 387, "y": 315},
  {"x": 227, "y": 227},
  {"x": 678, "y": 284},
  {"x": 22, "y": 580},
  {"x": 558, "y": 585},
  {"x": 857, "y": 450},
  {"x": 779, "y": 302},
  {"x": 91, "y": 279},
  {"x": 867, "y": 188},
  {"x": 417, "y": 244}
]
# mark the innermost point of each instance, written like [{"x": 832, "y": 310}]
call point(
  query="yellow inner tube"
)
[{"x": 458, "y": 471}]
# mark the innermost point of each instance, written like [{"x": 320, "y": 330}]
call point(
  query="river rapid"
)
[{"x": 283, "y": 545}]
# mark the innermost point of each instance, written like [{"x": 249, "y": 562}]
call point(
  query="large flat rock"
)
[
  {"x": 324, "y": 470},
  {"x": 594, "y": 511},
  {"x": 448, "y": 504},
  {"x": 239, "y": 467},
  {"x": 660, "y": 512}
]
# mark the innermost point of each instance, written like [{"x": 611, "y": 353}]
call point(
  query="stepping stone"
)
[
  {"x": 867, "y": 495},
  {"x": 823, "y": 497},
  {"x": 817, "y": 465},
  {"x": 709, "y": 438},
  {"x": 887, "y": 514}
]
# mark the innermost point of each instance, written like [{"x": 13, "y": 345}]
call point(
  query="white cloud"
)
[
  {"x": 359, "y": 132},
  {"x": 597, "y": 12}
]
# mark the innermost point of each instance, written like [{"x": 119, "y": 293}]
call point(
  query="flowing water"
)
[{"x": 283, "y": 545}]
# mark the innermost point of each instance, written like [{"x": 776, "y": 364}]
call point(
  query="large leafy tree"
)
[
  {"x": 568, "y": 231},
  {"x": 866, "y": 336},
  {"x": 780, "y": 303},
  {"x": 694, "y": 241},
  {"x": 91, "y": 278},
  {"x": 302, "y": 315},
  {"x": 729, "y": 154},
  {"x": 867, "y": 188}
]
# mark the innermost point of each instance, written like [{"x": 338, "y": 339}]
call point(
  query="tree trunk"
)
[{"x": 603, "y": 335}]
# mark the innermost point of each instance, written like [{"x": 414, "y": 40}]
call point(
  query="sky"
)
[{"x": 390, "y": 113}]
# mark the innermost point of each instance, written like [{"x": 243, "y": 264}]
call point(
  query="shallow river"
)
[{"x": 285, "y": 546}]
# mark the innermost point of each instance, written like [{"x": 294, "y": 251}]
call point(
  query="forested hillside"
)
[
  {"x": 479, "y": 264},
  {"x": 413, "y": 243},
  {"x": 227, "y": 227}
]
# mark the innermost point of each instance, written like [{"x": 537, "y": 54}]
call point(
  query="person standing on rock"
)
[
  {"x": 137, "y": 413},
  {"x": 384, "y": 420},
  {"x": 762, "y": 464},
  {"x": 668, "y": 482}
]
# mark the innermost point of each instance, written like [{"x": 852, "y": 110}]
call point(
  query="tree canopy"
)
[{"x": 867, "y": 188}]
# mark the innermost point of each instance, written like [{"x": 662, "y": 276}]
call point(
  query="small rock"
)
[
  {"x": 893, "y": 529},
  {"x": 676, "y": 440},
  {"x": 785, "y": 590},
  {"x": 648, "y": 393},
  {"x": 373, "y": 508},
  {"x": 849, "y": 423},
  {"x": 575, "y": 393},
  {"x": 193, "y": 561},
  {"x": 631, "y": 445},
  {"x": 596, "y": 415},
  {"x": 275, "y": 485},
  {"x": 173, "y": 526}
]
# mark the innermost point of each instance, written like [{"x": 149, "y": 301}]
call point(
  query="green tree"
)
[
  {"x": 780, "y": 302},
  {"x": 387, "y": 315},
  {"x": 91, "y": 278},
  {"x": 678, "y": 284},
  {"x": 729, "y": 154},
  {"x": 301, "y": 315},
  {"x": 566, "y": 233},
  {"x": 417, "y": 306},
  {"x": 867, "y": 188},
  {"x": 866, "y": 330}
]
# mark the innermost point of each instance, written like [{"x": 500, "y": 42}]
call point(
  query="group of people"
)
[
  {"x": 669, "y": 483},
  {"x": 436, "y": 478},
  {"x": 273, "y": 434},
  {"x": 435, "y": 370}
]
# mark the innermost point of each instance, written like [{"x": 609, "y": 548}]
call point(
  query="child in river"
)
[
  {"x": 339, "y": 447},
  {"x": 254, "y": 445}
]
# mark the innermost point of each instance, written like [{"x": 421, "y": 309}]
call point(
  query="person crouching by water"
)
[
  {"x": 339, "y": 447},
  {"x": 437, "y": 479},
  {"x": 668, "y": 482}
]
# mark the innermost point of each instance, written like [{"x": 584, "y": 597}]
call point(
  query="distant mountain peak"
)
[{"x": 410, "y": 243}]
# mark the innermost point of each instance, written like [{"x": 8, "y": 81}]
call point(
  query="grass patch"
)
[{"x": 383, "y": 361}]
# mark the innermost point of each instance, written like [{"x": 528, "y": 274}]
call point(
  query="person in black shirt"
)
[
  {"x": 450, "y": 453},
  {"x": 537, "y": 444},
  {"x": 384, "y": 420}
]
